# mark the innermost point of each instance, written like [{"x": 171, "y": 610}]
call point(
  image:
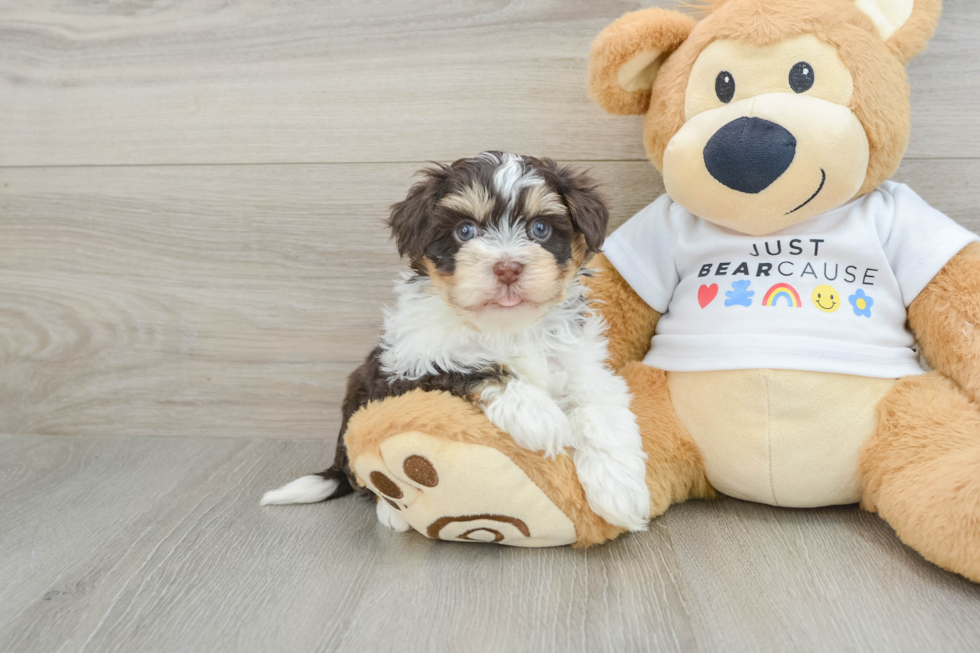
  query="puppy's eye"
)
[
  {"x": 466, "y": 231},
  {"x": 801, "y": 77},
  {"x": 540, "y": 230},
  {"x": 725, "y": 86}
]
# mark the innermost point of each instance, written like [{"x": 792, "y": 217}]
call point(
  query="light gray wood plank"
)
[
  {"x": 65, "y": 499},
  {"x": 227, "y": 300},
  {"x": 160, "y": 578},
  {"x": 827, "y": 579},
  {"x": 158, "y": 544},
  {"x": 336, "y": 81},
  {"x": 944, "y": 109},
  {"x": 201, "y": 300}
]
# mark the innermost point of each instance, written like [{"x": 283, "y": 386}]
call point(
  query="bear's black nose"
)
[{"x": 749, "y": 154}]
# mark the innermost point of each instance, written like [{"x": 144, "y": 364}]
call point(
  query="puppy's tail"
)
[{"x": 328, "y": 484}]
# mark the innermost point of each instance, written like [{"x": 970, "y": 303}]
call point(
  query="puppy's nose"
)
[
  {"x": 507, "y": 271},
  {"x": 749, "y": 154}
]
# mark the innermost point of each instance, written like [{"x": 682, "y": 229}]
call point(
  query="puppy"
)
[{"x": 494, "y": 311}]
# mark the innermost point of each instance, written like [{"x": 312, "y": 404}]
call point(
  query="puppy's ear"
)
[
  {"x": 580, "y": 195},
  {"x": 905, "y": 25},
  {"x": 627, "y": 55},
  {"x": 409, "y": 220}
]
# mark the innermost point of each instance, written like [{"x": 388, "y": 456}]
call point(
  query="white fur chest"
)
[{"x": 422, "y": 335}]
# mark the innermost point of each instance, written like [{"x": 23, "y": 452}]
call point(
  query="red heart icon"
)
[{"x": 706, "y": 294}]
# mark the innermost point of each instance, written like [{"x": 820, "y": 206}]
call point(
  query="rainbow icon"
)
[{"x": 779, "y": 291}]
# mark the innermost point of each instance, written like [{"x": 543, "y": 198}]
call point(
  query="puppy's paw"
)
[
  {"x": 604, "y": 427},
  {"x": 529, "y": 415},
  {"x": 389, "y": 518},
  {"x": 611, "y": 464},
  {"x": 615, "y": 485}
]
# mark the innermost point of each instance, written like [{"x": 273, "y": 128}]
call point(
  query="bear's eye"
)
[
  {"x": 801, "y": 77},
  {"x": 725, "y": 86}
]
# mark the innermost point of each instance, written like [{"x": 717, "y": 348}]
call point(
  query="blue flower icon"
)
[{"x": 861, "y": 303}]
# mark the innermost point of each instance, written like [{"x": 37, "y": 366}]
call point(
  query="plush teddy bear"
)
[{"x": 770, "y": 313}]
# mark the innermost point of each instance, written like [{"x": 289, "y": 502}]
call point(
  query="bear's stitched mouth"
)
[{"x": 823, "y": 180}]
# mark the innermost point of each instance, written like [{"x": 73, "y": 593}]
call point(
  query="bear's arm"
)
[
  {"x": 631, "y": 321},
  {"x": 945, "y": 318}
]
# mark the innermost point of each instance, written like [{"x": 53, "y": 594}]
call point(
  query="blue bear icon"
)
[{"x": 739, "y": 295}]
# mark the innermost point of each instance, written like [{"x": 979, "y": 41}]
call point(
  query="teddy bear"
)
[{"x": 795, "y": 329}]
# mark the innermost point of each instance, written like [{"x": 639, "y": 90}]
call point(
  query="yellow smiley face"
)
[{"x": 826, "y": 298}]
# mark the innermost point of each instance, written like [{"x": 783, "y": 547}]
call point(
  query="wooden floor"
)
[
  {"x": 193, "y": 258},
  {"x": 157, "y": 544}
]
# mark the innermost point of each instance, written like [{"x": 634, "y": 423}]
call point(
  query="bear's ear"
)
[
  {"x": 905, "y": 25},
  {"x": 627, "y": 55}
]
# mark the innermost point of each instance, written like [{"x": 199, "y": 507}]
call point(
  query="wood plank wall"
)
[{"x": 192, "y": 193}]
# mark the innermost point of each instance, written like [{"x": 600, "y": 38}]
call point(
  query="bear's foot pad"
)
[{"x": 462, "y": 492}]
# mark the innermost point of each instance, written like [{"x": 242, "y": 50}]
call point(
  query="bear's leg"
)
[
  {"x": 442, "y": 467},
  {"x": 921, "y": 471},
  {"x": 675, "y": 470}
]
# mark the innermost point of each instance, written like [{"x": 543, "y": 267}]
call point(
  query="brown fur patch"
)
[
  {"x": 630, "y": 320},
  {"x": 580, "y": 250},
  {"x": 476, "y": 397},
  {"x": 639, "y": 31},
  {"x": 945, "y": 318},
  {"x": 443, "y": 281},
  {"x": 921, "y": 471},
  {"x": 909, "y": 40},
  {"x": 913, "y": 37},
  {"x": 675, "y": 470},
  {"x": 544, "y": 278},
  {"x": 540, "y": 199},
  {"x": 474, "y": 200},
  {"x": 433, "y": 272}
]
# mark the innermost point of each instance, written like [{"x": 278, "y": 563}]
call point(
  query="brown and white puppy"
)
[{"x": 493, "y": 311}]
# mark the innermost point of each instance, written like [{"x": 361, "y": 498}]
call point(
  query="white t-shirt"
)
[{"x": 826, "y": 295}]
